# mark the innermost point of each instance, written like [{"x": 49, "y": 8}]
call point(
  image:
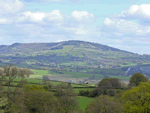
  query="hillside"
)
[{"x": 73, "y": 55}]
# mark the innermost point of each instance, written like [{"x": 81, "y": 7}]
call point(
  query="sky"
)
[{"x": 122, "y": 24}]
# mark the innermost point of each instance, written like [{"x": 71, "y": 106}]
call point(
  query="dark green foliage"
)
[
  {"x": 96, "y": 92},
  {"x": 137, "y": 78},
  {"x": 110, "y": 83},
  {"x": 84, "y": 93},
  {"x": 111, "y": 92}
]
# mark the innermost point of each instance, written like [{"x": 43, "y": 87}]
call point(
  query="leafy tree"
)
[
  {"x": 34, "y": 98},
  {"x": 8, "y": 74},
  {"x": 63, "y": 89},
  {"x": 69, "y": 104},
  {"x": 137, "y": 78},
  {"x": 39, "y": 101},
  {"x": 110, "y": 83},
  {"x": 84, "y": 93},
  {"x": 111, "y": 92},
  {"x": 96, "y": 92},
  {"x": 103, "y": 104},
  {"x": 137, "y": 99},
  {"x": 104, "y": 83}
]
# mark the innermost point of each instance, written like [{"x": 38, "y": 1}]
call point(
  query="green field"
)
[
  {"x": 36, "y": 81},
  {"x": 83, "y": 101},
  {"x": 78, "y": 74}
]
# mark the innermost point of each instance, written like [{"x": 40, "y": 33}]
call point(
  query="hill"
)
[{"x": 73, "y": 55}]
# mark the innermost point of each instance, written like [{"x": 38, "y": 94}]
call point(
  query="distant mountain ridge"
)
[{"x": 73, "y": 54}]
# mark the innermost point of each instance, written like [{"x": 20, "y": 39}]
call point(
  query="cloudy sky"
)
[{"x": 123, "y": 24}]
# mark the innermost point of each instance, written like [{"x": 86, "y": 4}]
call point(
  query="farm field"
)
[{"x": 83, "y": 101}]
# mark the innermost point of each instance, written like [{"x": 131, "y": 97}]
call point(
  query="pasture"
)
[{"x": 83, "y": 101}]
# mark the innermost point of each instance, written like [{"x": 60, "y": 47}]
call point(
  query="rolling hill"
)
[{"x": 73, "y": 55}]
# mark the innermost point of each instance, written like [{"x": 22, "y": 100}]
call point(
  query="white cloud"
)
[
  {"x": 121, "y": 27},
  {"x": 80, "y": 15},
  {"x": 3, "y": 20},
  {"x": 137, "y": 12},
  {"x": 34, "y": 16},
  {"x": 40, "y": 16},
  {"x": 10, "y": 6},
  {"x": 108, "y": 22}
]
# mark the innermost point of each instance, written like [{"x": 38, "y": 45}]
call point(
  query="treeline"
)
[{"x": 47, "y": 98}]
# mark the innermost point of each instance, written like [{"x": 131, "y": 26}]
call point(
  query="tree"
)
[
  {"x": 137, "y": 78},
  {"x": 34, "y": 98},
  {"x": 63, "y": 89},
  {"x": 137, "y": 99},
  {"x": 103, "y": 104},
  {"x": 8, "y": 74},
  {"x": 96, "y": 92},
  {"x": 110, "y": 83},
  {"x": 42, "y": 102},
  {"x": 69, "y": 104}
]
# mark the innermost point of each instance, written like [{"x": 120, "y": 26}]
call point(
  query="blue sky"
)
[{"x": 123, "y": 24}]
